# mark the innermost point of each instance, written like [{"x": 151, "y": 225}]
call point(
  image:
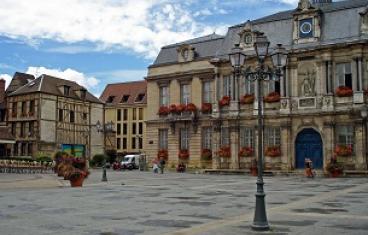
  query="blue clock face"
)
[{"x": 306, "y": 28}]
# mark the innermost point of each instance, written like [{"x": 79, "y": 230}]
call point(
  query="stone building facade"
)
[
  {"x": 125, "y": 107},
  {"x": 49, "y": 114},
  {"x": 317, "y": 109}
]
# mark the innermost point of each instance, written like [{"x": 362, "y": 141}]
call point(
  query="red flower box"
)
[
  {"x": 163, "y": 110},
  {"x": 191, "y": 107},
  {"x": 225, "y": 101},
  {"x": 162, "y": 154},
  {"x": 14, "y": 114},
  {"x": 183, "y": 154},
  {"x": 173, "y": 109},
  {"x": 225, "y": 152},
  {"x": 206, "y": 154},
  {"x": 273, "y": 151},
  {"x": 343, "y": 150},
  {"x": 344, "y": 91},
  {"x": 273, "y": 97},
  {"x": 181, "y": 108},
  {"x": 246, "y": 152},
  {"x": 30, "y": 114},
  {"x": 206, "y": 107},
  {"x": 247, "y": 99}
]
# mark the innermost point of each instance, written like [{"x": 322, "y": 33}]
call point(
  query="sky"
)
[{"x": 97, "y": 42}]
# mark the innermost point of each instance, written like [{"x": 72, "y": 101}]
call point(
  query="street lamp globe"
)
[
  {"x": 261, "y": 46},
  {"x": 279, "y": 56},
  {"x": 237, "y": 57}
]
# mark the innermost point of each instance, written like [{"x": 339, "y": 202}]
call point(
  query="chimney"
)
[{"x": 2, "y": 90}]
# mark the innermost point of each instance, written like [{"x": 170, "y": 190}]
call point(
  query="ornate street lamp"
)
[{"x": 261, "y": 73}]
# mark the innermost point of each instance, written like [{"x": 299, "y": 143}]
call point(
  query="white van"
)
[{"x": 130, "y": 162}]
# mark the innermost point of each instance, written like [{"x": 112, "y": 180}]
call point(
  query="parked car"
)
[{"x": 130, "y": 162}]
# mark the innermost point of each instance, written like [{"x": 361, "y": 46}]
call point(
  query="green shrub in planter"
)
[{"x": 98, "y": 160}]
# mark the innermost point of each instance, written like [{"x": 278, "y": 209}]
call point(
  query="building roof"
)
[
  {"x": 51, "y": 85},
  {"x": 19, "y": 80},
  {"x": 205, "y": 46},
  {"x": 5, "y": 134},
  {"x": 340, "y": 24},
  {"x": 125, "y": 93}
]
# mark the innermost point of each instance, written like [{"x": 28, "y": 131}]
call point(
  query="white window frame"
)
[
  {"x": 163, "y": 139},
  {"x": 184, "y": 139},
  {"x": 246, "y": 137},
  {"x": 342, "y": 71},
  {"x": 164, "y": 96},
  {"x": 345, "y": 135},
  {"x": 185, "y": 93},
  {"x": 207, "y": 92},
  {"x": 248, "y": 87},
  {"x": 225, "y": 136},
  {"x": 226, "y": 85},
  {"x": 206, "y": 138},
  {"x": 272, "y": 136}
]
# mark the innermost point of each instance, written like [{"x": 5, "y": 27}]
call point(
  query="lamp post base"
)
[
  {"x": 104, "y": 177},
  {"x": 260, "y": 222}
]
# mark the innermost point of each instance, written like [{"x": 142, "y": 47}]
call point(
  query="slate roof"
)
[
  {"x": 131, "y": 89},
  {"x": 205, "y": 46},
  {"x": 340, "y": 24},
  {"x": 19, "y": 80},
  {"x": 50, "y": 85}
]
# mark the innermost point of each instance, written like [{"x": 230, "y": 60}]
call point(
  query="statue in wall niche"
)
[{"x": 308, "y": 84}]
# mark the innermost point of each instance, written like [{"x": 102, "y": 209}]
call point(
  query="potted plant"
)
[
  {"x": 247, "y": 99},
  {"x": 191, "y": 108},
  {"x": 253, "y": 167},
  {"x": 333, "y": 168},
  {"x": 225, "y": 101},
  {"x": 162, "y": 154},
  {"x": 78, "y": 172},
  {"x": 183, "y": 154},
  {"x": 273, "y": 151},
  {"x": 246, "y": 152},
  {"x": 206, "y": 154},
  {"x": 272, "y": 97},
  {"x": 206, "y": 107},
  {"x": 173, "y": 109},
  {"x": 343, "y": 150},
  {"x": 344, "y": 91},
  {"x": 181, "y": 108},
  {"x": 225, "y": 152},
  {"x": 163, "y": 111}
]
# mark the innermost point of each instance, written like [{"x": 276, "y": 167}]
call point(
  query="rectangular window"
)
[
  {"x": 271, "y": 86},
  {"x": 139, "y": 97},
  {"x": 345, "y": 135},
  {"x": 249, "y": 87},
  {"x": 118, "y": 127},
  {"x": 23, "y": 149},
  {"x": 140, "y": 114},
  {"x": 206, "y": 137},
  {"x": 140, "y": 128},
  {"x": 124, "y": 143},
  {"x": 125, "y": 99},
  {"x": 133, "y": 143},
  {"x": 184, "y": 139},
  {"x": 226, "y": 86},
  {"x": 118, "y": 142},
  {"x": 163, "y": 138},
  {"x": 206, "y": 92},
  {"x": 31, "y": 128},
  {"x": 343, "y": 75},
  {"x": 24, "y": 108},
  {"x": 272, "y": 136},
  {"x": 71, "y": 116},
  {"x": 30, "y": 149},
  {"x": 185, "y": 94},
  {"x": 246, "y": 137},
  {"x": 14, "y": 109},
  {"x": 118, "y": 114},
  {"x": 31, "y": 107},
  {"x": 22, "y": 129},
  {"x": 125, "y": 114},
  {"x": 134, "y": 114},
  {"x": 225, "y": 136},
  {"x": 85, "y": 116},
  {"x": 14, "y": 129},
  {"x": 140, "y": 146},
  {"x": 66, "y": 90},
  {"x": 164, "y": 96},
  {"x": 125, "y": 128},
  {"x": 134, "y": 128},
  {"x": 61, "y": 115},
  {"x": 15, "y": 149}
]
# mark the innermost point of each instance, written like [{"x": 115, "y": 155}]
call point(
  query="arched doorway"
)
[{"x": 308, "y": 144}]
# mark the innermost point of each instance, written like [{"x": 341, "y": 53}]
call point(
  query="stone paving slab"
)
[{"x": 134, "y": 202}]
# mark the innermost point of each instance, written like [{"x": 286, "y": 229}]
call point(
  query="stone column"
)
[
  {"x": 360, "y": 162},
  {"x": 360, "y": 74},
  {"x": 215, "y": 145},
  {"x": 286, "y": 155},
  {"x": 354, "y": 74},
  {"x": 357, "y": 78},
  {"x": 234, "y": 144},
  {"x": 328, "y": 140}
]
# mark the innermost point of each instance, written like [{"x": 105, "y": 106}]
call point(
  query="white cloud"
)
[
  {"x": 7, "y": 79},
  {"x": 122, "y": 75},
  {"x": 69, "y": 74},
  {"x": 140, "y": 25}
]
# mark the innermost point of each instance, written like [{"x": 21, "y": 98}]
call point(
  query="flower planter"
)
[
  {"x": 163, "y": 111},
  {"x": 246, "y": 152},
  {"x": 273, "y": 151},
  {"x": 206, "y": 154},
  {"x": 273, "y": 97},
  {"x": 77, "y": 182},
  {"x": 191, "y": 107},
  {"x": 206, "y": 108},
  {"x": 225, "y": 101},
  {"x": 224, "y": 152},
  {"x": 344, "y": 91},
  {"x": 183, "y": 154},
  {"x": 334, "y": 173},
  {"x": 254, "y": 171},
  {"x": 162, "y": 154},
  {"x": 343, "y": 150},
  {"x": 247, "y": 99}
]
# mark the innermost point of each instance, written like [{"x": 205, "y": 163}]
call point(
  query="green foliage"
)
[
  {"x": 59, "y": 155},
  {"x": 98, "y": 160}
]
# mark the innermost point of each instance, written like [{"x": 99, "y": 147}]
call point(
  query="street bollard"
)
[{"x": 104, "y": 177}]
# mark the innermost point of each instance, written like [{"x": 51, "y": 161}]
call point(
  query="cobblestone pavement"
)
[{"x": 136, "y": 202}]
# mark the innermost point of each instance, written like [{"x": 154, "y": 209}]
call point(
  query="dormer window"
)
[
  {"x": 83, "y": 94},
  {"x": 110, "y": 99},
  {"x": 140, "y": 97},
  {"x": 66, "y": 90},
  {"x": 125, "y": 99},
  {"x": 185, "y": 53},
  {"x": 248, "y": 38}
]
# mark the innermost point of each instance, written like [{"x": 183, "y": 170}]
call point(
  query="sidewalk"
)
[{"x": 14, "y": 181}]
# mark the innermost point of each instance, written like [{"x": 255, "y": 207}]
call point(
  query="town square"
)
[{"x": 173, "y": 117}]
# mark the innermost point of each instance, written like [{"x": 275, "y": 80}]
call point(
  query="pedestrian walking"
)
[
  {"x": 162, "y": 165},
  {"x": 155, "y": 165}
]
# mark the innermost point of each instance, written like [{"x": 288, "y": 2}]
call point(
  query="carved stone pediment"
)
[
  {"x": 364, "y": 21},
  {"x": 247, "y": 36},
  {"x": 186, "y": 53},
  {"x": 304, "y": 5}
]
